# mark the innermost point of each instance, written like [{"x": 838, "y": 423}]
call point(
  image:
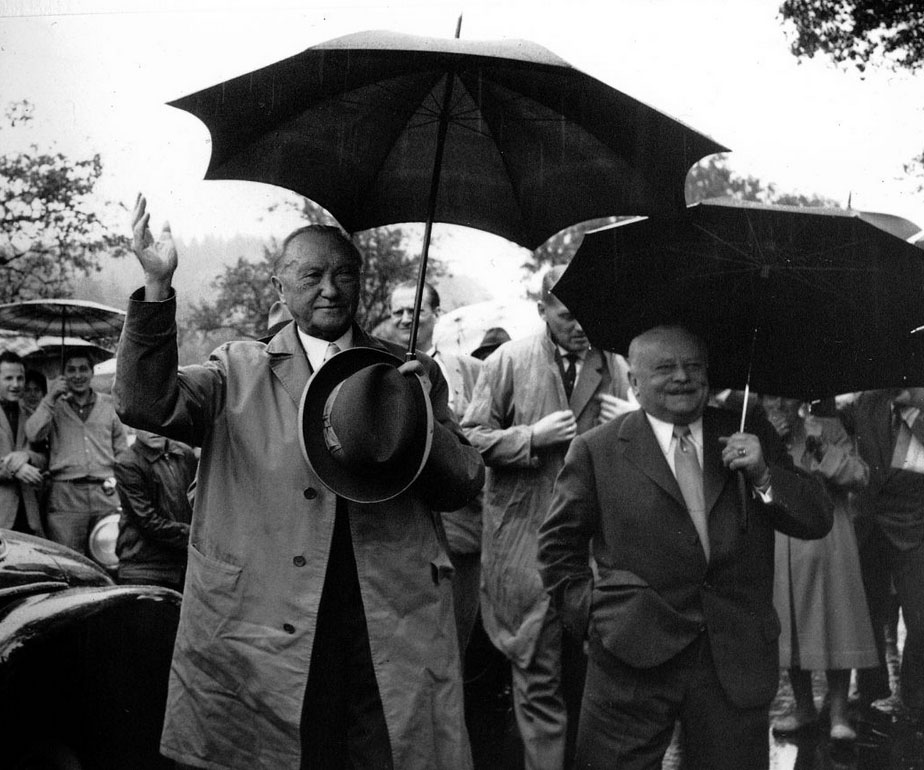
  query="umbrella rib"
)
[{"x": 503, "y": 159}]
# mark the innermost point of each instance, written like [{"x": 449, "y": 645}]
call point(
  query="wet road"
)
[{"x": 882, "y": 742}]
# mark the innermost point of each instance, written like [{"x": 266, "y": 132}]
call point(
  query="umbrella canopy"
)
[
  {"x": 51, "y": 350},
  {"x": 529, "y": 144},
  {"x": 810, "y": 302},
  {"x": 62, "y": 318}
]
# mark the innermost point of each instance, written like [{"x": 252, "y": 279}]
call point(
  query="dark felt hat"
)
[
  {"x": 493, "y": 339},
  {"x": 366, "y": 429}
]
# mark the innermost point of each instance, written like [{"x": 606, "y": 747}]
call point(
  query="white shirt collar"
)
[
  {"x": 316, "y": 348},
  {"x": 664, "y": 433}
]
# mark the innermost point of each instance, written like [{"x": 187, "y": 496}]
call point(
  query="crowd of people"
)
[
  {"x": 66, "y": 466},
  {"x": 349, "y": 517}
]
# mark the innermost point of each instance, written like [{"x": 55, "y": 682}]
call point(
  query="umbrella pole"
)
[
  {"x": 431, "y": 211},
  {"x": 742, "y": 481},
  {"x": 431, "y": 204}
]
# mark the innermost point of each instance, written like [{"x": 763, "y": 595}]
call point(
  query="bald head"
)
[
  {"x": 564, "y": 329},
  {"x": 667, "y": 371}
]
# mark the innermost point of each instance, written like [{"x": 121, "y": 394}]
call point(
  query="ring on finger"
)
[{"x": 742, "y": 451}]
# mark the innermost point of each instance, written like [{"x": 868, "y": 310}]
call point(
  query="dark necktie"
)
[
  {"x": 569, "y": 372},
  {"x": 690, "y": 480}
]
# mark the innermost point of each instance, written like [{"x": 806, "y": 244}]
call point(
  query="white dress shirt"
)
[
  {"x": 316, "y": 348},
  {"x": 664, "y": 433}
]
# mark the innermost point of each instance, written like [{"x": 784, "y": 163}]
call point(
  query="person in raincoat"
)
[
  {"x": 315, "y": 632},
  {"x": 532, "y": 397}
]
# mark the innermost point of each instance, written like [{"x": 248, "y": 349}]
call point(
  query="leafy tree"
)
[
  {"x": 714, "y": 178},
  {"x": 858, "y": 32},
  {"x": 246, "y": 293},
  {"x": 561, "y": 247},
  {"x": 51, "y": 224}
]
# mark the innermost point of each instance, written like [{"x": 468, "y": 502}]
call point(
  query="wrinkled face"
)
[
  {"x": 402, "y": 315},
  {"x": 12, "y": 381},
  {"x": 78, "y": 372},
  {"x": 563, "y": 326},
  {"x": 319, "y": 281},
  {"x": 668, "y": 375}
]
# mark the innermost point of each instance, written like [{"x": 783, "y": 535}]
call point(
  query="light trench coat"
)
[
  {"x": 519, "y": 385},
  {"x": 259, "y": 545}
]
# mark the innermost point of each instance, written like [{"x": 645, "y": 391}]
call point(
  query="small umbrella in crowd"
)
[
  {"x": 381, "y": 128},
  {"x": 63, "y": 318},
  {"x": 792, "y": 301}
]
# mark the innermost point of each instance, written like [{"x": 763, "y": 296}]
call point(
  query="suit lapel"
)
[
  {"x": 715, "y": 476},
  {"x": 642, "y": 448},
  {"x": 587, "y": 382}
]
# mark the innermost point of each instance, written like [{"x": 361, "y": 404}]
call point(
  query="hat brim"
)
[
  {"x": 365, "y": 488},
  {"x": 483, "y": 351},
  {"x": 101, "y": 542}
]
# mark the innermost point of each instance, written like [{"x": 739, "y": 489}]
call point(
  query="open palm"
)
[{"x": 158, "y": 258}]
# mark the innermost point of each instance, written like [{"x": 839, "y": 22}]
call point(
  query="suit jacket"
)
[
  {"x": 259, "y": 546},
  {"x": 894, "y": 497},
  {"x": 11, "y": 489},
  {"x": 654, "y": 592},
  {"x": 519, "y": 384},
  {"x": 463, "y": 527}
]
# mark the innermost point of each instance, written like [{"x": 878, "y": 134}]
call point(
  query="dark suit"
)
[
  {"x": 658, "y": 613},
  {"x": 890, "y": 537}
]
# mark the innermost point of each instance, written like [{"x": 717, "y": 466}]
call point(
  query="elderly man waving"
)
[{"x": 316, "y": 631}]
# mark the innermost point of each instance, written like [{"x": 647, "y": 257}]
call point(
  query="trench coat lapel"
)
[
  {"x": 588, "y": 381},
  {"x": 288, "y": 361},
  {"x": 641, "y": 448}
]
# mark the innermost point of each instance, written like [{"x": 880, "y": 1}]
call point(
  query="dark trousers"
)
[
  {"x": 883, "y": 565},
  {"x": 628, "y": 715},
  {"x": 343, "y": 723}
]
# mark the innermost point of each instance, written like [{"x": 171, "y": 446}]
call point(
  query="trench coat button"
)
[
  {"x": 288, "y": 628},
  {"x": 299, "y": 561},
  {"x": 310, "y": 493}
]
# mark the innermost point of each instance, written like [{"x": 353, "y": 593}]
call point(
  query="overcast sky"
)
[{"x": 99, "y": 74}]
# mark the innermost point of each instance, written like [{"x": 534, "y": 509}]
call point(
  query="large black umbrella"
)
[
  {"x": 799, "y": 302},
  {"x": 382, "y": 128}
]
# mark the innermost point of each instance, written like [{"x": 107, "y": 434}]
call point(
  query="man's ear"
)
[
  {"x": 540, "y": 307},
  {"x": 277, "y": 285}
]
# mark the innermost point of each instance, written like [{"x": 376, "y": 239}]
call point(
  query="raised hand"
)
[
  {"x": 158, "y": 258},
  {"x": 612, "y": 406},
  {"x": 742, "y": 452}
]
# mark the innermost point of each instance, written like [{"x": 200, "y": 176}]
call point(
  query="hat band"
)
[{"x": 330, "y": 435}]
